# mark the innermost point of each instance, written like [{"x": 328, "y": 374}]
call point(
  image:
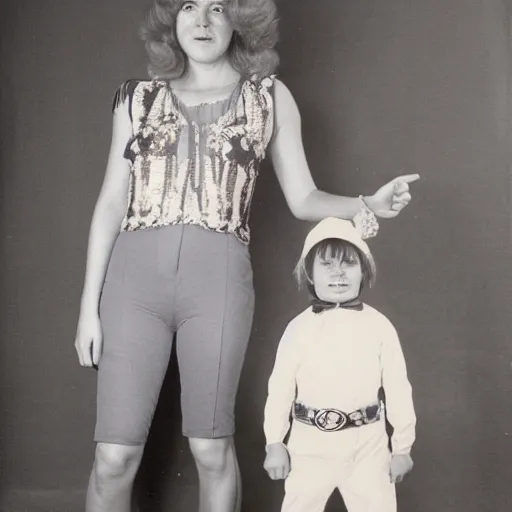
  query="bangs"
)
[{"x": 336, "y": 249}]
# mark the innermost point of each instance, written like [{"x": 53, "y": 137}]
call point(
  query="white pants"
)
[{"x": 360, "y": 471}]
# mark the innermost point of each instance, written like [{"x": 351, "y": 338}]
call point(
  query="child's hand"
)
[
  {"x": 277, "y": 461},
  {"x": 400, "y": 465}
]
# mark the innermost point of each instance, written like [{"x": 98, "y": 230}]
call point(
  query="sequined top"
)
[{"x": 195, "y": 165}]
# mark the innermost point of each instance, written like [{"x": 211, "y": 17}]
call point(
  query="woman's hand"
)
[
  {"x": 400, "y": 465},
  {"x": 392, "y": 198},
  {"x": 89, "y": 341},
  {"x": 277, "y": 461}
]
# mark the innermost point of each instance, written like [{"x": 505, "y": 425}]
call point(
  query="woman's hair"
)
[
  {"x": 337, "y": 249},
  {"x": 251, "y": 50}
]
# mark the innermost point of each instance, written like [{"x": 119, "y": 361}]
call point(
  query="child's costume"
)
[{"x": 331, "y": 362}]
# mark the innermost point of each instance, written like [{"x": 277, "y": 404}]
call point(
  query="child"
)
[{"x": 331, "y": 364}]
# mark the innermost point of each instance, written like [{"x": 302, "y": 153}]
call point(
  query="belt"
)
[{"x": 332, "y": 420}]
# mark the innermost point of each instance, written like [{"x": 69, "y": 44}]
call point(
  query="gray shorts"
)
[{"x": 182, "y": 280}]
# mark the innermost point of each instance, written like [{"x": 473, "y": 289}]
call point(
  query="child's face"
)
[{"x": 337, "y": 279}]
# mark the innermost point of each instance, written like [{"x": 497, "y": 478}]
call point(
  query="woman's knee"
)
[
  {"x": 211, "y": 455},
  {"x": 115, "y": 462}
]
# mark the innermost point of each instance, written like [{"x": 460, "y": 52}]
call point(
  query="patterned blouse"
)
[{"x": 195, "y": 165}]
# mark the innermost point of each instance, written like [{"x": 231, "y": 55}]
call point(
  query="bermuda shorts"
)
[{"x": 179, "y": 282}]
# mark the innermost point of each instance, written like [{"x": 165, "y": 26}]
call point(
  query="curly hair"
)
[{"x": 251, "y": 49}]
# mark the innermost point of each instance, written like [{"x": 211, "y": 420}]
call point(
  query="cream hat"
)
[{"x": 333, "y": 227}]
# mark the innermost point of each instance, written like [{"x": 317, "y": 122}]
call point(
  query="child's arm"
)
[
  {"x": 281, "y": 394},
  {"x": 399, "y": 405}
]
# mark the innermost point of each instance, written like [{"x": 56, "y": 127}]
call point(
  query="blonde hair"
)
[{"x": 251, "y": 51}]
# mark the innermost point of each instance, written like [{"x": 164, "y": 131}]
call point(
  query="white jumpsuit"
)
[{"x": 339, "y": 359}]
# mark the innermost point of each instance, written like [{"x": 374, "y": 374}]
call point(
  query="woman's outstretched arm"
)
[{"x": 305, "y": 201}]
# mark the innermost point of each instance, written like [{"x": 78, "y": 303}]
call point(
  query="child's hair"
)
[
  {"x": 340, "y": 250},
  {"x": 251, "y": 51}
]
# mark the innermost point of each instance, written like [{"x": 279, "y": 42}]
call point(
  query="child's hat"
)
[{"x": 332, "y": 227}]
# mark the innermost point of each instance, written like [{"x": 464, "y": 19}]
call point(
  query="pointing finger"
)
[{"x": 407, "y": 178}]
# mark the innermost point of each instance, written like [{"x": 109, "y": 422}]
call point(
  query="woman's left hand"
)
[{"x": 392, "y": 198}]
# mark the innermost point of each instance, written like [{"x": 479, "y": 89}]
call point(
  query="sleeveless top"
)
[{"x": 195, "y": 164}]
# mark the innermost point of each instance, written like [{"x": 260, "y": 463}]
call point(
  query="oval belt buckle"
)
[{"x": 330, "y": 420}]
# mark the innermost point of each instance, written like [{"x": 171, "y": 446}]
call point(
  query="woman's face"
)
[
  {"x": 337, "y": 280},
  {"x": 204, "y": 31}
]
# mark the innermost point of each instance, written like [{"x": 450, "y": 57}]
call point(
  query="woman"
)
[{"x": 168, "y": 246}]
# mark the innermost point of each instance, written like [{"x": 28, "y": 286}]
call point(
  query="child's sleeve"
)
[
  {"x": 281, "y": 388},
  {"x": 398, "y": 390}
]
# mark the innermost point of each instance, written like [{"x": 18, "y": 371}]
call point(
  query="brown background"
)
[{"x": 384, "y": 88}]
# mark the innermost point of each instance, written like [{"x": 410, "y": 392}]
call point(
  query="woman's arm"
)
[
  {"x": 108, "y": 214},
  {"x": 305, "y": 201}
]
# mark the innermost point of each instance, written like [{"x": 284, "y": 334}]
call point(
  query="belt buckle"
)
[{"x": 330, "y": 420}]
